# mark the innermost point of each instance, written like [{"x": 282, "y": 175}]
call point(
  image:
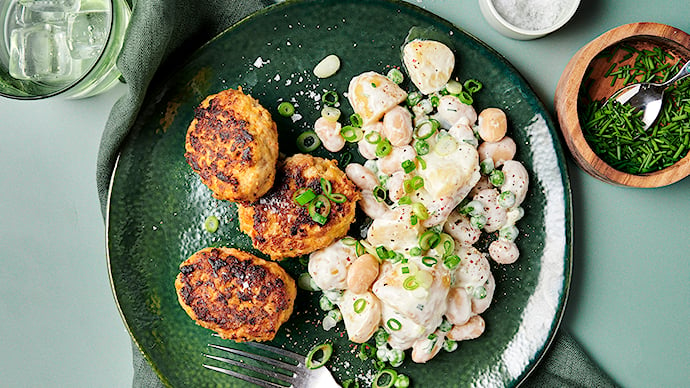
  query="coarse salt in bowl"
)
[{"x": 527, "y": 19}]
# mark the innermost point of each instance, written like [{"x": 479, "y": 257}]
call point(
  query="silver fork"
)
[{"x": 298, "y": 376}]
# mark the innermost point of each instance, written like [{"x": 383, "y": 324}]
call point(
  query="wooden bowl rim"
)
[{"x": 565, "y": 101}]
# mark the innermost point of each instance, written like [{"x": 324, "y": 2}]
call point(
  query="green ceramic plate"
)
[{"x": 158, "y": 205}]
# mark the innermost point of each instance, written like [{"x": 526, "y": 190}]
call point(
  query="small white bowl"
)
[{"x": 500, "y": 24}]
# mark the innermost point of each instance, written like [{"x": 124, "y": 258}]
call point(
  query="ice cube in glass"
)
[
  {"x": 87, "y": 33},
  {"x": 51, "y": 5},
  {"x": 40, "y": 53},
  {"x": 25, "y": 16}
]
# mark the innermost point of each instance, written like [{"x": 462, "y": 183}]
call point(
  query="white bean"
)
[
  {"x": 504, "y": 251},
  {"x": 396, "y": 189},
  {"x": 480, "y": 305},
  {"x": 361, "y": 176},
  {"x": 397, "y": 126},
  {"x": 362, "y": 273},
  {"x": 451, "y": 110},
  {"x": 371, "y": 206},
  {"x": 368, "y": 150},
  {"x": 495, "y": 214},
  {"x": 360, "y": 324},
  {"x": 516, "y": 180},
  {"x": 392, "y": 162},
  {"x": 463, "y": 133},
  {"x": 459, "y": 308},
  {"x": 327, "y": 67},
  {"x": 470, "y": 330},
  {"x": 329, "y": 133},
  {"x": 493, "y": 124},
  {"x": 459, "y": 227},
  {"x": 425, "y": 348},
  {"x": 500, "y": 151}
]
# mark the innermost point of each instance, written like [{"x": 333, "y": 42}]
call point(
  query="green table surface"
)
[{"x": 629, "y": 304}]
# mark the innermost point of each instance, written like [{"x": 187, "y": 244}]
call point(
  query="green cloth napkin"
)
[{"x": 162, "y": 29}]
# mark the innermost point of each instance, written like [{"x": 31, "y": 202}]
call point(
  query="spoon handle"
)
[{"x": 684, "y": 72}]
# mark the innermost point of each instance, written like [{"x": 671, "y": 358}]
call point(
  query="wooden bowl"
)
[{"x": 586, "y": 64}]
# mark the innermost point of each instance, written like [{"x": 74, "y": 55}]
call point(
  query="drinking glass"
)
[{"x": 60, "y": 47}]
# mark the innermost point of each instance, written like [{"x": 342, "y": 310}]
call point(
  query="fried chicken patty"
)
[
  {"x": 236, "y": 294},
  {"x": 232, "y": 143},
  {"x": 280, "y": 227}
]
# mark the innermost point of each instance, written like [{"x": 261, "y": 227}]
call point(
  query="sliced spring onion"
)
[
  {"x": 426, "y": 128},
  {"x": 330, "y": 98},
  {"x": 414, "y": 98},
  {"x": 422, "y": 163},
  {"x": 416, "y": 251},
  {"x": 383, "y": 148},
  {"x": 381, "y": 337},
  {"x": 435, "y": 100},
  {"x": 359, "y": 305},
  {"x": 422, "y": 148},
  {"x": 372, "y": 137},
  {"x": 351, "y": 383},
  {"x": 394, "y": 324},
  {"x": 211, "y": 224},
  {"x": 382, "y": 252},
  {"x": 385, "y": 378},
  {"x": 366, "y": 351},
  {"x": 380, "y": 193},
  {"x": 326, "y": 185},
  {"x": 303, "y": 196},
  {"x": 286, "y": 109},
  {"x": 405, "y": 200},
  {"x": 424, "y": 279},
  {"x": 395, "y": 75},
  {"x": 330, "y": 113},
  {"x": 453, "y": 87},
  {"x": 408, "y": 166},
  {"x": 348, "y": 241},
  {"x": 473, "y": 86},
  {"x": 420, "y": 211},
  {"x": 445, "y": 145},
  {"x": 325, "y": 349},
  {"x": 319, "y": 209},
  {"x": 402, "y": 381},
  {"x": 465, "y": 97},
  {"x": 351, "y": 133},
  {"x": 308, "y": 141},
  {"x": 337, "y": 197},
  {"x": 428, "y": 240},
  {"x": 447, "y": 243},
  {"x": 410, "y": 283},
  {"x": 356, "y": 120},
  {"x": 451, "y": 261},
  {"x": 429, "y": 261}
]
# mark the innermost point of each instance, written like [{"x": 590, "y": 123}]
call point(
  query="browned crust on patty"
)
[
  {"x": 281, "y": 228},
  {"x": 232, "y": 143},
  {"x": 236, "y": 294}
]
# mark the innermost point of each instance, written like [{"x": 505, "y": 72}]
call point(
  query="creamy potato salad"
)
[{"x": 438, "y": 175}]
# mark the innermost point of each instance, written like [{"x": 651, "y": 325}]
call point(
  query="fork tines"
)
[{"x": 288, "y": 374}]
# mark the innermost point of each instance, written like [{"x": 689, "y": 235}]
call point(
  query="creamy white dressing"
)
[{"x": 422, "y": 293}]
